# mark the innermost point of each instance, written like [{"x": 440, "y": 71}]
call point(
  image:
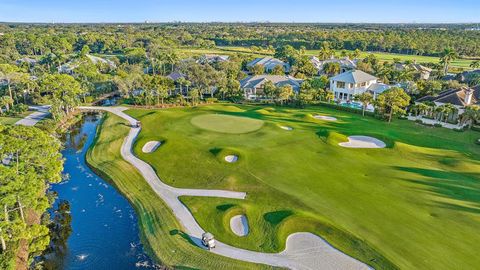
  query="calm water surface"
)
[{"x": 105, "y": 230}]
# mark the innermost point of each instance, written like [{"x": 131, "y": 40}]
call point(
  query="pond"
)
[{"x": 105, "y": 233}]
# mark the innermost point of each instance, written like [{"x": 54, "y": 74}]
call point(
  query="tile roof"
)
[
  {"x": 269, "y": 63},
  {"x": 455, "y": 96},
  {"x": 278, "y": 80},
  {"x": 354, "y": 76}
]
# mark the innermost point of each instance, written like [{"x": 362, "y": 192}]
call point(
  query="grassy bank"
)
[
  {"x": 160, "y": 231},
  {"x": 412, "y": 205}
]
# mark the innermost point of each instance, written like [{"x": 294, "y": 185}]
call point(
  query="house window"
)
[
  {"x": 350, "y": 85},
  {"x": 363, "y": 84},
  {"x": 340, "y": 85}
]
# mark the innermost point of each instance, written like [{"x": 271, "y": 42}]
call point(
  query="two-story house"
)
[{"x": 348, "y": 84}]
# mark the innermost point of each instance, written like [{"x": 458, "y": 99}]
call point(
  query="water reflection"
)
[{"x": 105, "y": 233}]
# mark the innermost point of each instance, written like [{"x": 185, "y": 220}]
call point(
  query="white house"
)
[
  {"x": 345, "y": 64},
  {"x": 348, "y": 84},
  {"x": 423, "y": 72},
  {"x": 212, "y": 58},
  {"x": 252, "y": 86},
  {"x": 269, "y": 63}
]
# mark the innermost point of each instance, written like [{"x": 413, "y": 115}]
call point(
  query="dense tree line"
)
[
  {"x": 409, "y": 39},
  {"x": 30, "y": 159}
]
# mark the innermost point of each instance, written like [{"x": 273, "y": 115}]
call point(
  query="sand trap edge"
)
[
  {"x": 359, "y": 141},
  {"x": 239, "y": 225},
  {"x": 151, "y": 146},
  {"x": 231, "y": 158}
]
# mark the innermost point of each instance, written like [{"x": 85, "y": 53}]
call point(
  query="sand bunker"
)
[
  {"x": 151, "y": 146},
  {"x": 286, "y": 128},
  {"x": 231, "y": 158},
  {"x": 239, "y": 225},
  {"x": 325, "y": 117},
  {"x": 362, "y": 142}
]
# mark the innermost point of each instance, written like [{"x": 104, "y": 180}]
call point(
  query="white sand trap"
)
[
  {"x": 325, "y": 117},
  {"x": 151, "y": 146},
  {"x": 231, "y": 158},
  {"x": 286, "y": 128},
  {"x": 312, "y": 252},
  {"x": 239, "y": 225},
  {"x": 363, "y": 142}
]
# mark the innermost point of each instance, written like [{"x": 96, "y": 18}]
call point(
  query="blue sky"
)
[{"x": 390, "y": 11}]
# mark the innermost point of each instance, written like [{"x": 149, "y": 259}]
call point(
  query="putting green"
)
[{"x": 226, "y": 123}]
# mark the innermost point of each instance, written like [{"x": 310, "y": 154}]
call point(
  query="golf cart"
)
[
  {"x": 137, "y": 124},
  {"x": 208, "y": 240}
]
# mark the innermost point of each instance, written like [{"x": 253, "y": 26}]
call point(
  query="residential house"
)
[
  {"x": 269, "y": 63},
  {"x": 96, "y": 59},
  {"x": 348, "y": 84},
  {"x": 345, "y": 64},
  {"x": 175, "y": 77},
  {"x": 252, "y": 86},
  {"x": 212, "y": 59},
  {"x": 29, "y": 61},
  {"x": 467, "y": 76},
  {"x": 460, "y": 98},
  {"x": 423, "y": 71},
  {"x": 68, "y": 68}
]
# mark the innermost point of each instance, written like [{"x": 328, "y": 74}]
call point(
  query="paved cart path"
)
[
  {"x": 304, "y": 251},
  {"x": 33, "y": 118}
]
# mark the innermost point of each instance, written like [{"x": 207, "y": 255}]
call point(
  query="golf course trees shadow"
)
[
  {"x": 461, "y": 187},
  {"x": 277, "y": 217}
]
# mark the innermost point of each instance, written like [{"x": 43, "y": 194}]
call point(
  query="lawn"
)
[
  {"x": 159, "y": 229},
  {"x": 412, "y": 205},
  {"x": 10, "y": 120},
  {"x": 382, "y": 56}
]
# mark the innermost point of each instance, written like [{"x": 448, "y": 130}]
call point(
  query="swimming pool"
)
[{"x": 354, "y": 105}]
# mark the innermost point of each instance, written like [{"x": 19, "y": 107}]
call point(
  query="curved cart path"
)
[
  {"x": 35, "y": 117},
  {"x": 303, "y": 250}
]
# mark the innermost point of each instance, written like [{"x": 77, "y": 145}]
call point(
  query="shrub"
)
[
  {"x": 211, "y": 100},
  {"x": 477, "y": 141},
  {"x": 437, "y": 125},
  {"x": 475, "y": 128},
  {"x": 346, "y": 109},
  {"x": 459, "y": 129}
]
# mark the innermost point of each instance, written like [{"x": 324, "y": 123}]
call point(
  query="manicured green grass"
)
[
  {"x": 412, "y": 205},
  {"x": 160, "y": 231},
  {"x": 10, "y": 120},
  {"x": 226, "y": 123}
]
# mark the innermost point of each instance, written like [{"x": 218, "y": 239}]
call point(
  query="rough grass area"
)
[
  {"x": 226, "y": 123},
  {"x": 412, "y": 205},
  {"x": 160, "y": 231}
]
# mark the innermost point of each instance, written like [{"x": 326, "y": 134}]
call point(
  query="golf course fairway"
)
[{"x": 411, "y": 205}]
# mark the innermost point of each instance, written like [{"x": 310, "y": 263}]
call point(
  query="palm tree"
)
[
  {"x": 415, "y": 109},
  {"x": 440, "y": 111},
  {"x": 332, "y": 68},
  {"x": 423, "y": 108},
  {"x": 475, "y": 64},
  {"x": 324, "y": 53},
  {"x": 6, "y": 102},
  {"x": 449, "y": 111},
  {"x": 470, "y": 116},
  {"x": 365, "y": 98},
  {"x": 329, "y": 96},
  {"x": 447, "y": 57}
]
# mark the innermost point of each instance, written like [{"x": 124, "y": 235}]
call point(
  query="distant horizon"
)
[
  {"x": 247, "y": 11},
  {"x": 237, "y": 22}
]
